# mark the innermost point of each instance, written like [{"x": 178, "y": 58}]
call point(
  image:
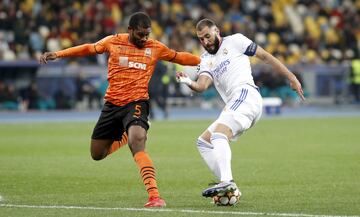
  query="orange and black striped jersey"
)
[{"x": 129, "y": 67}]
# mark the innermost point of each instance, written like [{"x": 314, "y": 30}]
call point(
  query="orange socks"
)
[
  {"x": 118, "y": 144},
  {"x": 145, "y": 165},
  {"x": 147, "y": 172}
]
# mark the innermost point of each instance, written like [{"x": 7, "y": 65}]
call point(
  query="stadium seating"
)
[{"x": 295, "y": 31}]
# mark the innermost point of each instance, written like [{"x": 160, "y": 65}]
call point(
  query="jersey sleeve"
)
[
  {"x": 103, "y": 45},
  {"x": 244, "y": 44},
  {"x": 165, "y": 53},
  {"x": 182, "y": 58},
  {"x": 203, "y": 68},
  {"x": 77, "y": 51}
]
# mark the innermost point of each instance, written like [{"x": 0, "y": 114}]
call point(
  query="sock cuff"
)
[
  {"x": 217, "y": 135},
  {"x": 139, "y": 155}
]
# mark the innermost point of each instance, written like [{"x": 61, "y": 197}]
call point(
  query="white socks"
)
[
  {"x": 223, "y": 153},
  {"x": 217, "y": 155},
  {"x": 207, "y": 153}
]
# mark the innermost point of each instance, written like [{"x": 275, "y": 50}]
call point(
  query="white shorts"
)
[{"x": 241, "y": 112}]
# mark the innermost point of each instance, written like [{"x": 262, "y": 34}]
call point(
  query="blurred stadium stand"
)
[{"x": 317, "y": 39}]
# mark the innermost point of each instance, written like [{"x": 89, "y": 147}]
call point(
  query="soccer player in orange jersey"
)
[{"x": 124, "y": 117}]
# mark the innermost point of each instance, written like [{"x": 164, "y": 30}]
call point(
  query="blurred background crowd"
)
[
  {"x": 295, "y": 31},
  {"x": 303, "y": 30}
]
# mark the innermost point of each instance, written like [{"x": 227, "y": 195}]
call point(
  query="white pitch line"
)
[{"x": 167, "y": 210}]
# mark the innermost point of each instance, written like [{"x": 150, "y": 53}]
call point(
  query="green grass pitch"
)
[{"x": 282, "y": 166}]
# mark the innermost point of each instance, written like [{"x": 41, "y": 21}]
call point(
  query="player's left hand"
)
[{"x": 295, "y": 85}]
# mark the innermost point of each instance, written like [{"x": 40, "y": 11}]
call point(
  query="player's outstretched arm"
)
[
  {"x": 200, "y": 85},
  {"x": 281, "y": 69},
  {"x": 81, "y": 50},
  {"x": 185, "y": 58}
]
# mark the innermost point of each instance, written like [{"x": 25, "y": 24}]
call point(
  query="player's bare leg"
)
[
  {"x": 137, "y": 137},
  {"x": 99, "y": 148}
]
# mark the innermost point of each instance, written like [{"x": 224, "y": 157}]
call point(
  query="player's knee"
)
[
  {"x": 203, "y": 144},
  {"x": 97, "y": 153},
  {"x": 137, "y": 143},
  {"x": 136, "y": 139},
  {"x": 98, "y": 150},
  {"x": 137, "y": 134},
  {"x": 97, "y": 156},
  {"x": 218, "y": 135}
]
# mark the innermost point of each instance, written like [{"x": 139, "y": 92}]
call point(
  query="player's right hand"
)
[
  {"x": 296, "y": 85},
  {"x": 47, "y": 56},
  {"x": 182, "y": 77}
]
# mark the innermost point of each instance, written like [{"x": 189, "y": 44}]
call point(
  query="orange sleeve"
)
[
  {"x": 85, "y": 49},
  {"x": 183, "y": 58},
  {"x": 81, "y": 50}
]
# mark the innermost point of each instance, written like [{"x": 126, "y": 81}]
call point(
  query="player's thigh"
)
[
  {"x": 99, "y": 147},
  {"x": 218, "y": 127},
  {"x": 239, "y": 115},
  {"x": 109, "y": 126},
  {"x": 224, "y": 129}
]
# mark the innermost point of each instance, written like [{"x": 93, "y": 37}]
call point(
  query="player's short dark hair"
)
[
  {"x": 203, "y": 23},
  {"x": 139, "y": 19}
]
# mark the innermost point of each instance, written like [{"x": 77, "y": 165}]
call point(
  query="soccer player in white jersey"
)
[{"x": 226, "y": 64}]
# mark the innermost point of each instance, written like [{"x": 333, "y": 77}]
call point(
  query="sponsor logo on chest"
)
[
  {"x": 124, "y": 62},
  {"x": 137, "y": 65},
  {"x": 220, "y": 69}
]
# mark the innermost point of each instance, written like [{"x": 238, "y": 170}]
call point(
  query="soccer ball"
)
[{"x": 227, "y": 199}]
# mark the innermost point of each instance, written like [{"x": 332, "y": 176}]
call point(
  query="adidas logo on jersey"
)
[{"x": 137, "y": 65}]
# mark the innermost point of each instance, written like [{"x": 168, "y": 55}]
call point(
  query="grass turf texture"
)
[{"x": 309, "y": 166}]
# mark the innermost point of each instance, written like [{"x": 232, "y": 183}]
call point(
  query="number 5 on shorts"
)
[{"x": 137, "y": 112}]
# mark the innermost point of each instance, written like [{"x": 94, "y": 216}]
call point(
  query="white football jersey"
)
[{"x": 230, "y": 66}]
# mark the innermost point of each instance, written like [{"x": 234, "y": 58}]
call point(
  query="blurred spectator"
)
[
  {"x": 36, "y": 42},
  {"x": 158, "y": 90},
  {"x": 62, "y": 100},
  {"x": 34, "y": 99},
  {"x": 12, "y": 98},
  {"x": 86, "y": 94},
  {"x": 9, "y": 99},
  {"x": 2, "y": 91},
  {"x": 355, "y": 80}
]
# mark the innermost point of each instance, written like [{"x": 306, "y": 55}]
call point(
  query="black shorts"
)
[{"x": 115, "y": 120}]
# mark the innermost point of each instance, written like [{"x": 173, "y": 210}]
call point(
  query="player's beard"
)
[
  {"x": 138, "y": 43},
  {"x": 216, "y": 46}
]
